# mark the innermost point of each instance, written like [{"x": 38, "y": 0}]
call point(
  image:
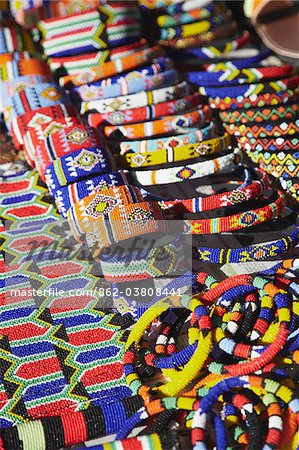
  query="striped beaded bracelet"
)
[
  {"x": 145, "y": 98},
  {"x": 248, "y": 190},
  {"x": 242, "y": 76},
  {"x": 247, "y": 90},
  {"x": 72, "y": 65},
  {"x": 145, "y": 113},
  {"x": 112, "y": 68},
  {"x": 160, "y": 126},
  {"x": 237, "y": 221}
]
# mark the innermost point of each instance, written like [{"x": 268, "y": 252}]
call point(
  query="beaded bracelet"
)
[
  {"x": 193, "y": 366},
  {"x": 251, "y": 89},
  {"x": 258, "y": 252},
  {"x": 138, "y": 265},
  {"x": 277, "y": 164},
  {"x": 258, "y": 115},
  {"x": 254, "y": 101},
  {"x": 145, "y": 83},
  {"x": 58, "y": 143},
  {"x": 270, "y": 144},
  {"x": 111, "y": 68},
  {"x": 146, "y": 112},
  {"x": 188, "y": 17},
  {"x": 264, "y": 129},
  {"x": 175, "y": 154},
  {"x": 190, "y": 136},
  {"x": 223, "y": 31},
  {"x": 145, "y": 98},
  {"x": 173, "y": 7},
  {"x": 33, "y": 119},
  {"x": 72, "y": 65},
  {"x": 13, "y": 69},
  {"x": 191, "y": 29},
  {"x": 159, "y": 65},
  {"x": 161, "y": 126},
  {"x": 247, "y": 191},
  {"x": 219, "y": 48},
  {"x": 186, "y": 172},
  {"x": 77, "y": 166},
  {"x": 92, "y": 37},
  {"x": 10, "y": 40},
  {"x": 239, "y": 64},
  {"x": 114, "y": 215},
  {"x": 66, "y": 196},
  {"x": 239, "y": 76},
  {"x": 8, "y": 88},
  {"x": 237, "y": 221},
  {"x": 33, "y": 97},
  {"x": 108, "y": 15}
]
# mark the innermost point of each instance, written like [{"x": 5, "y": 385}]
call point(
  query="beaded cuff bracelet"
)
[
  {"x": 67, "y": 196},
  {"x": 132, "y": 86},
  {"x": 112, "y": 68},
  {"x": 160, "y": 126},
  {"x": 258, "y": 252},
  {"x": 143, "y": 113},
  {"x": 190, "y": 136},
  {"x": 76, "y": 166},
  {"x": 140, "y": 99},
  {"x": 186, "y": 172}
]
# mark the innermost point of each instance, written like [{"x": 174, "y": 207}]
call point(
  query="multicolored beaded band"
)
[
  {"x": 191, "y": 29},
  {"x": 73, "y": 65},
  {"x": 92, "y": 37},
  {"x": 227, "y": 30},
  {"x": 188, "y": 16},
  {"x": 247, "y": 191},
  {"x": 34, "y": 119},
  {"x": 159, "y": 65},
  {"x": 277, "y": 164},
  {"x": 238, "y": 64},
  {"x": 258, "y": 115},
  {"x": 238, "y": 221},
  {"x": 160, "y": 126},
  {"x": 211, "y": 51},
  {"x": 114, "y": 215},
  {"x": 66, "y": 196},
  {"x": 247, "y": 90},
  {"x": 258, "y": 252},
  {"x": 12, "y": 69},
  {"x": 149, "y": 112},
  {"x": 138, "y": 265},
  {"x": 75, "y": 167},
  {"x": 175, "y": 154},
  {"x": 242, "y": 76},
  {"x": 112, "y": 68},
  {"x": 186, "y": 172},
  {"x": 33, "y": 97},
  {"x": 103, "y": 15},
  {"x": 254, "y": 101},
  {"x": 141, "y": 99},
  {"x": 264, "y": 129},
  {"x": 190, "y": 136},
  {"x": 270, "y": 144},
  {"x": 133, "y": 86}
]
